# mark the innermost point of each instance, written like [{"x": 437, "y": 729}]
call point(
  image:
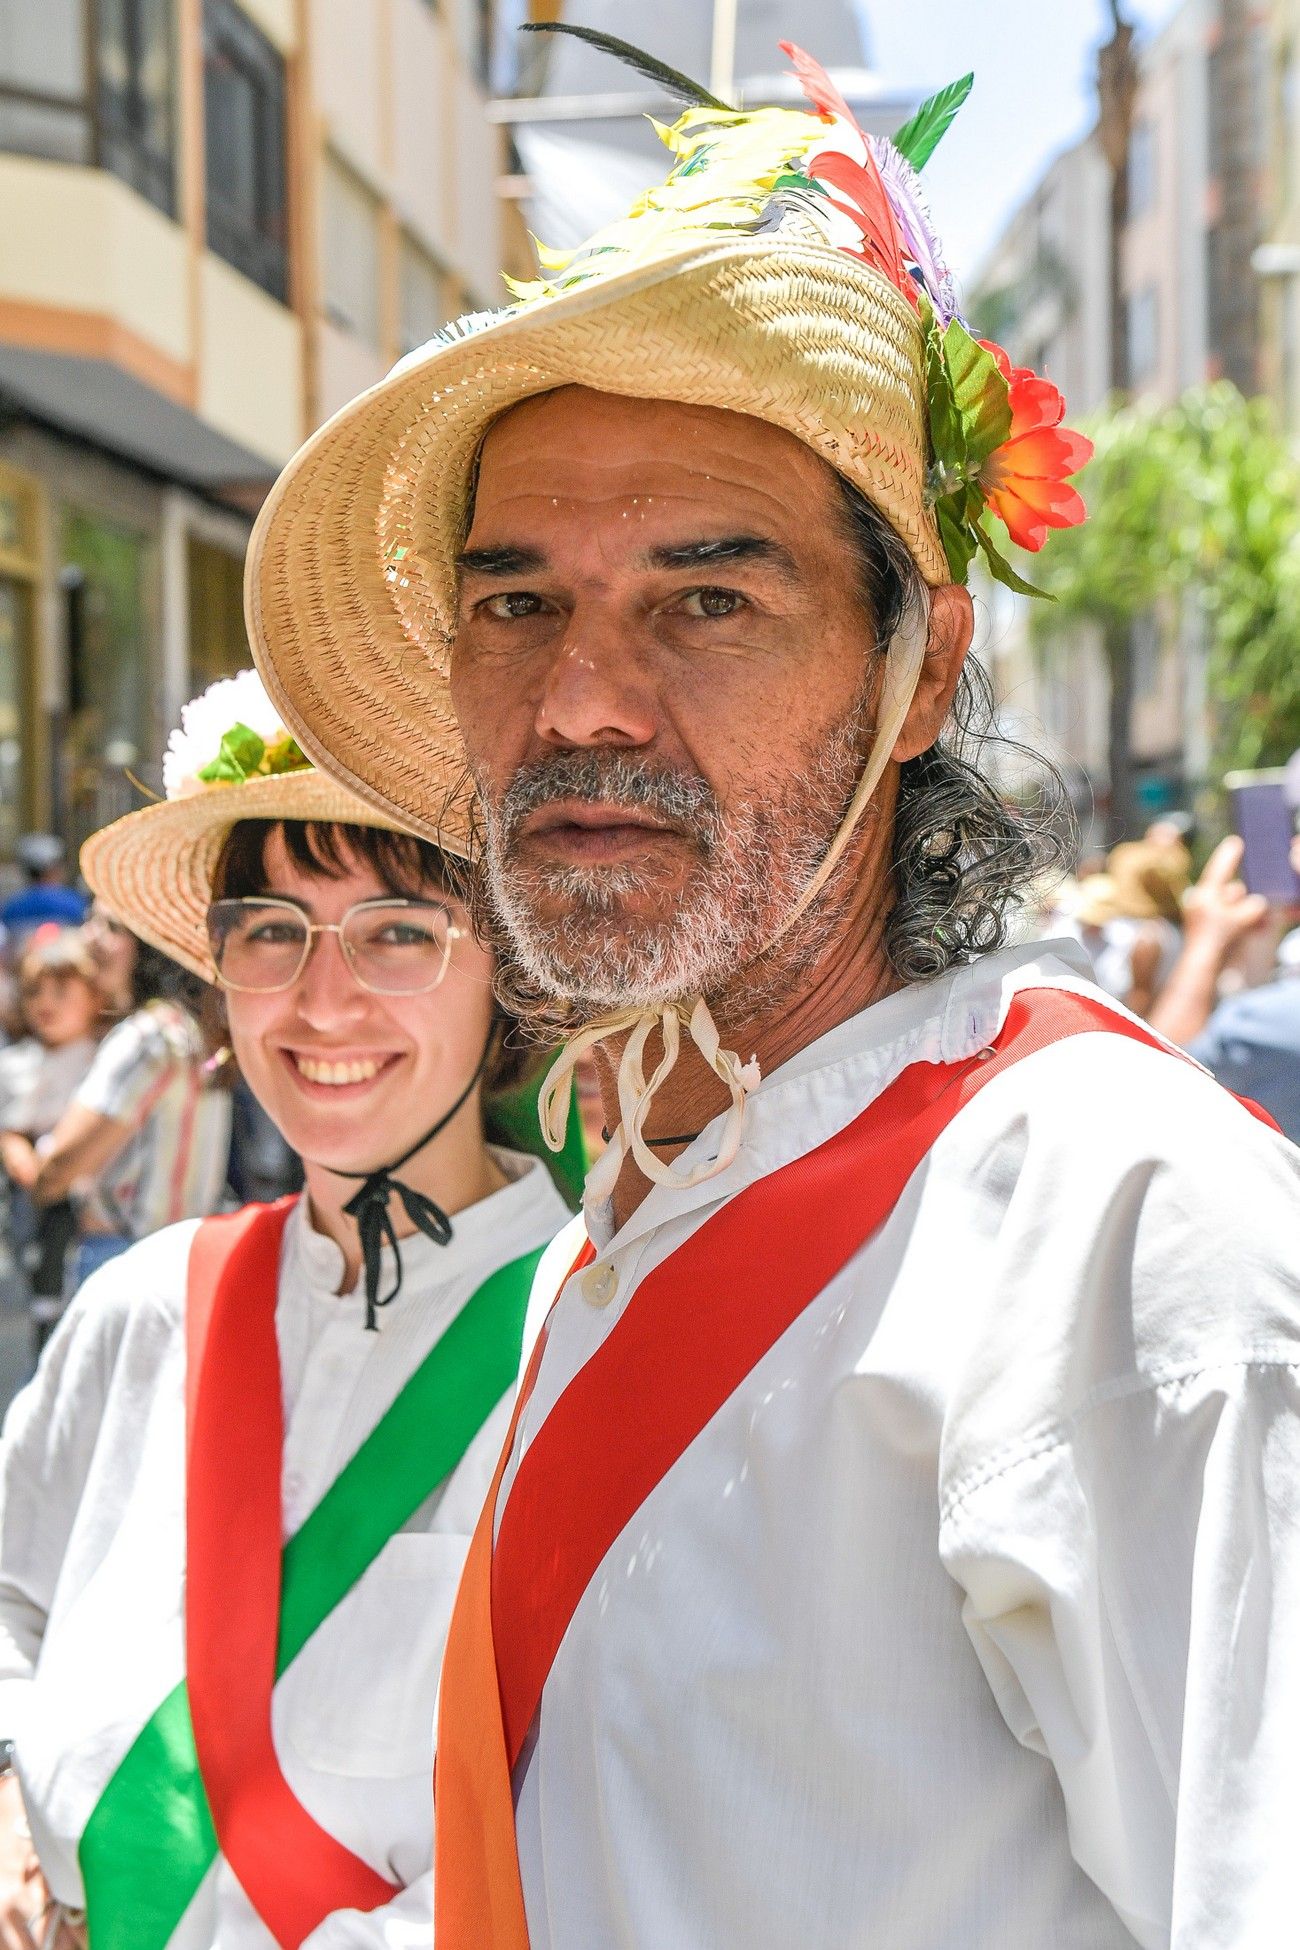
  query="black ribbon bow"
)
[{"x": 370, "y": 1206}]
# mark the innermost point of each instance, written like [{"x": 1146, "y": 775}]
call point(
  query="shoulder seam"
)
[{"x": 1056, "y": 1435}]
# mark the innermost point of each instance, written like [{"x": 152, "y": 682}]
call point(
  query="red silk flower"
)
[{"x": 1024, "y": 480}]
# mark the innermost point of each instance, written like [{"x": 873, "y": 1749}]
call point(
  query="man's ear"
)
[{"x": 952, "y": 624}]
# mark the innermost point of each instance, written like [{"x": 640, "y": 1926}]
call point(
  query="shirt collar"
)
[{"x": 822, "y": 1087}]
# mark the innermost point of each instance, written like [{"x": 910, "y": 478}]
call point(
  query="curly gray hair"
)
[{"x": 964, "y": 856}]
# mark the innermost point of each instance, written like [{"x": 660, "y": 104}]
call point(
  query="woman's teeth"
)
[{"x": 358, "y": 1071}]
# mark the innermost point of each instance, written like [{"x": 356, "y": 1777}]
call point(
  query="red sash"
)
[
  {"x": 695, "y": 1328},
  {"x": 292, "y": 1871}
]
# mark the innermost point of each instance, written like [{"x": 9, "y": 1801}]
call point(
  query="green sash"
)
[{"x": 149, "y": 1841}]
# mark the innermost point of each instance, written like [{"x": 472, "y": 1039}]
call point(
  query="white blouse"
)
[
  {"x": 92, "y": 1535},
  {"x": 970, "y": 1621}
]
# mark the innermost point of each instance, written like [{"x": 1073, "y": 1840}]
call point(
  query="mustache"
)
[{"x": 611, "y": 778}]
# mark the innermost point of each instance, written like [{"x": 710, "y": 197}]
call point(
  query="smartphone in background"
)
[{"x": 1263, "y": 815}]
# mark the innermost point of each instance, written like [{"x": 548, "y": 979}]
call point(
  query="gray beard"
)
[{"x": 755, "y": 860}]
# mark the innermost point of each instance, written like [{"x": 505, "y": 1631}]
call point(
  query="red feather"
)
[
  {"x": 817, "y": 84},
  {"x": 870, "y": 209}
]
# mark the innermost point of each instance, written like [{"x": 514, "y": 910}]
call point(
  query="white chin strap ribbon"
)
[{"x": 636, "y": 1091}]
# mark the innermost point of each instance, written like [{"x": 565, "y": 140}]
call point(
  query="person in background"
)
[
  {"x": 146, "y": 1137},
  {"x": 1128, "y": 918},
  {"x": 1250, "y": 1039},
  {"x": 39, "y": 1075},
  {"x": 46, "y": 897},
  {"x": 349, "y": 1358}
]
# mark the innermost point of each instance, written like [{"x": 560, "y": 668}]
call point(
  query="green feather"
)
[
  {"x": 918, "y": 139},
  {"x": 671, "y": 80}
]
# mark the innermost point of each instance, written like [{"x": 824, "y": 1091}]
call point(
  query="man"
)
[
  {"x": 45, "y": 897},
  {"x": 893, "y": 1544}
]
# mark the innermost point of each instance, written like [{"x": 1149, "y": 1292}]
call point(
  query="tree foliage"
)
[{"x": 1199, "y": 501}]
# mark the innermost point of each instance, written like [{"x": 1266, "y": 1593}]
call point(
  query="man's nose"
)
[{"x": 598, "y": 690}]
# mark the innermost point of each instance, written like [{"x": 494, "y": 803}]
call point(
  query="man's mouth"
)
[{"x": 579, "y": 829}]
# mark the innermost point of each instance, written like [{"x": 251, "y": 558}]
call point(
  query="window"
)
[
  {"x": 1145, "y": 645},
  {"x": 1142, "y": 169},
  {"x": 43, "y": 108},
  {"x": 19, "y": 571},
  {"x": 350, "y": 216},
  {"x": 1143, "y": 333},
  {"x": 218, "y": 644},
  {"x": 1287, "y": 122},
  {"x": 243, "y": 105},
  {"x": 107, "y": 582},
  {"x": 136, "y": 76},
  {"x": 122, "y": 117},
  {"x": 423, "y": 296}
]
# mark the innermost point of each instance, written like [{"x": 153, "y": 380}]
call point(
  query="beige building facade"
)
[
  {"x": 1190, "y": 311},
  {"x": 223, "y": 218},
  {"x": 1277, "y": 261}
]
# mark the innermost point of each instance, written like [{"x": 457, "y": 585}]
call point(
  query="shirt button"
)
[{"x": 599, "y": 1284}]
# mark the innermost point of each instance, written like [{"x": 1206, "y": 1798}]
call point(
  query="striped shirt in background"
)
[{"x": 148, "y": 1073}]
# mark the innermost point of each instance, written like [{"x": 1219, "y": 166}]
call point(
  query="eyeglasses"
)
[{"x": 392, "y": 947}]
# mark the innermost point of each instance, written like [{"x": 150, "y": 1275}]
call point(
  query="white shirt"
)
[
  {"x": 37, "y": 1084},
  {"x": 148, "y": 1075},
  {"x": 92, "y": 1552},
  {"x": 969, "y": 1622}
]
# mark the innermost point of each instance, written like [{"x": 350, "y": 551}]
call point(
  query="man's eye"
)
[
  {"x": 515, "y": 603},
  {"x": 712, "y": 602}
]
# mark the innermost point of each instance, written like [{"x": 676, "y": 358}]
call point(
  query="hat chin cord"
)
[{"x": 636, "y": 1091}]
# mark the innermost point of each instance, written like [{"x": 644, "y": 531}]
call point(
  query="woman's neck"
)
[{"x": 455, "y": 1169}]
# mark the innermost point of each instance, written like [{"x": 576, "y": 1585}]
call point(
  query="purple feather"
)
[{"x": 921, "y": 244}]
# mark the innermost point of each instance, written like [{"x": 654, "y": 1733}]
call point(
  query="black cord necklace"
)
[
  {"x": 656, "y": 1144},
  {"x": 369, "y": 1206}
]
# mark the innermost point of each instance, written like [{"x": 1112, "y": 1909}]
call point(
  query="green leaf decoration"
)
[
  {"x": 918, "y": 139},
  {"x": 240, "y": 756},
  {"x": 980, "y": 394},
  {"x": 1001, "y": 570},
  {"x": 947, "y": 435},
  {"x": 956, "y": 532}
]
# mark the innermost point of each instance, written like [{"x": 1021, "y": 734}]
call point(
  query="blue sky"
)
[{"x": 1034, "y": 63}]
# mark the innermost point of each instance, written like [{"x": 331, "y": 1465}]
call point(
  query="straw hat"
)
[
  {"x": 153, "y": 869},
  {"x": 723, "y": 289}
]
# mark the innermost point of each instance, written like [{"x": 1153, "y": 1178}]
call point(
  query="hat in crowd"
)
[
  {"x": 39, "y": 853},
  {"x": 232, "y": 758},
  {"x": 787, "y": 269},
  {"x": 1143, "y": 881}
]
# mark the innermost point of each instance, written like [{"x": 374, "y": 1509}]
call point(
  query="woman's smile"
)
[{"x": 338, "y": 1073}]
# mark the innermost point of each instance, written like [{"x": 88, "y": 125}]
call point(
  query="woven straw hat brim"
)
[
  {"x": 153, "y": 869},
  {"x": 351, "y": 584}
]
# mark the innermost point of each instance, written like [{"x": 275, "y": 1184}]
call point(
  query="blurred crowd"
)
[
  {"x": 121, "y": 1111},
  {"x": 1208, "y": 963},
  {"x": 119, "y": 1108}
]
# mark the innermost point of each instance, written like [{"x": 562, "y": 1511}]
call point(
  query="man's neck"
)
[{"x": 771, "y": 1013}]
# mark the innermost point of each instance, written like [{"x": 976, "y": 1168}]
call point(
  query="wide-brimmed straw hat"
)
[
  {"x": 351, "y": 580},
  {"x": 153, "y": 869},
  {"x": 785, "y": 270}
]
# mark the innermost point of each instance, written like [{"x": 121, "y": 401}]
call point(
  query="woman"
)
[
  {"x": 332, "y": 1371},
  {"x": 144, "y": 1140},
  {"x": 61, "y": 1004}
]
